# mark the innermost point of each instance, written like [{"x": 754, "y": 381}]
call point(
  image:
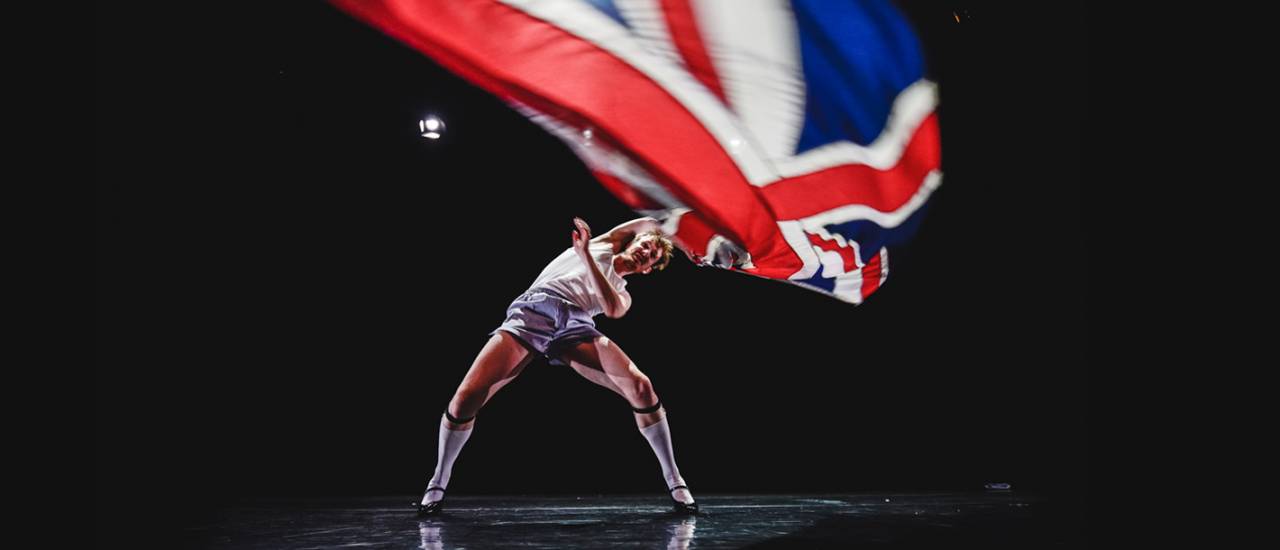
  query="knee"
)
[
  {"x": 469, "y": 397},
  {"x": 641, "y": 391}
]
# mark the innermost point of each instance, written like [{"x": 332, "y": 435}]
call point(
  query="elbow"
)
[{"x": 617, "y": 312}]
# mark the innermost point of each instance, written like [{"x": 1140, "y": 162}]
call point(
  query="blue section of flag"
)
[
  {"x": 818, "y": 281},
  {"x": 871, "y": 237},
  {"x": 606, "y": 7},
  {"x": 857, "y": 57}
]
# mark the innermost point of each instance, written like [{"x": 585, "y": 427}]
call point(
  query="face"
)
[{"x": 644, "y": 252}]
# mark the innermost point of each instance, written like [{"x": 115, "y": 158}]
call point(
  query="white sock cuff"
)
[{"x": 656, "y": 428}]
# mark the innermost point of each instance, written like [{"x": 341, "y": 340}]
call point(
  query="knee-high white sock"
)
[
  {"x": 451, "y": 441},
  {"x": 659, "y": 436}
]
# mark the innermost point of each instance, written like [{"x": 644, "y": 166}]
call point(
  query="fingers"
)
[{"x": 581, "y": 233}]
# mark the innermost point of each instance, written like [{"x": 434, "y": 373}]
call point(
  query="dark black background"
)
[{"x": 291, "y": 283}]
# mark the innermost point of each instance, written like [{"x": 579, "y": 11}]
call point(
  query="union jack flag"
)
[{"x": 789, "y": 139}]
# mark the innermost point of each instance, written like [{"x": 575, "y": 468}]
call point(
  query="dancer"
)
[{"x": 554, "y": 318}]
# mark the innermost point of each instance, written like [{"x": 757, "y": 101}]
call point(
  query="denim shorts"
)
[{"x": 548, "y": 323}]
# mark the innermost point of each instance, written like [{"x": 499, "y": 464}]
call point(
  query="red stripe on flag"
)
[
  {"x": 516, "y": 56},
  {"x": 871, "y": 276},
  {"x": 846, "y": 252},
  {"x": 884, "y": 190},
  {"x": 682, "y": 26}
]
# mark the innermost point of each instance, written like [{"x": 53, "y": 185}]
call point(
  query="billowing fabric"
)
[{"x": 794, "y": 140}]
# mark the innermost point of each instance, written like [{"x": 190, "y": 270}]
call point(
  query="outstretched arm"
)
[
  {"x": 615, "y": 303},
  {"x": 623, "y": 234}
]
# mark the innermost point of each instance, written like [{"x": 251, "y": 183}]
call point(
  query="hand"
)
[{"x": 581, "y": 236}]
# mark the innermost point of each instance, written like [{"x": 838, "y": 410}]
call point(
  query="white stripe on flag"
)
[
  {"x": 592, "y": 26},
  {"x": 799, "y": 241},
  {"x": 910, "y": 108},
  {"x": 649, "y": 25},
  {"x": 849, "y": 287},
  {"x": 863, "y": 212},
  {"x": 756, "y": 53}
]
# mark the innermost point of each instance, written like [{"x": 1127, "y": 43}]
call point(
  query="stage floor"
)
[{"x": 880, "y": 520}]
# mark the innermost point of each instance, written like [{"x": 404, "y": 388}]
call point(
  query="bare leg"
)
[
  {"x": 499, "y": 362},
  {"x": 603, "y": 362}
]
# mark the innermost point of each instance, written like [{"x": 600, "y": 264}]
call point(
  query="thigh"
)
[
  {"x": 501, "y": 359},
  {"x": 591, "y": 371},
  {"x": 602, "y": 361}
]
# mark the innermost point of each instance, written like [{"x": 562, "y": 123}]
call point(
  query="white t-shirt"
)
[{"x": 567, "y": 276}]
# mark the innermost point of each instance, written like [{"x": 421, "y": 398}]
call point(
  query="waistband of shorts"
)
[{"x": 548, "y": 293}]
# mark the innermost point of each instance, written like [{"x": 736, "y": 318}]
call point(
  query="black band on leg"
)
[
  {"x": 648, "y": 410},
  {"x": 458, "y": 420}
]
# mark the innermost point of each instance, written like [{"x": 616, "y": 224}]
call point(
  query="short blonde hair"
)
[{"x": 667, "y": 247}]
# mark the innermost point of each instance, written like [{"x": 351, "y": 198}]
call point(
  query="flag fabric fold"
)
[{"x": 793, "y": 140}]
